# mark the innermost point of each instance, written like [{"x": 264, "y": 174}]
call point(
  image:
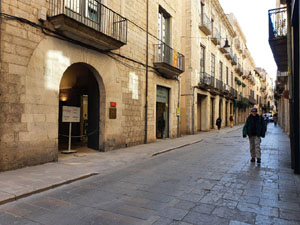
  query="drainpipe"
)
[
  {"x": 147, "y": 59},
  {"x": 193, "y": 111},
  {"x": 178, "y": 106}
]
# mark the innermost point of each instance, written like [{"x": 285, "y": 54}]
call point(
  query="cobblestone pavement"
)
[{"x": 210, "y": 182}]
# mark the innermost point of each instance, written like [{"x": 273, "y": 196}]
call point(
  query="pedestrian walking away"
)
[
  {"x": 254, "y": 128},
  {"x": 231, "y": 120},
  {"x": 275, "y": 119},
  {"x": 219, "y": 122}
]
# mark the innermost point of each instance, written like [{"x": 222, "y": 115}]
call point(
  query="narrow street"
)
[{"x": 210, "y": 182}]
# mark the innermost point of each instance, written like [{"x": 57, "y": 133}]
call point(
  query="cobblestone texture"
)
[{"x": 211, "y": 182}]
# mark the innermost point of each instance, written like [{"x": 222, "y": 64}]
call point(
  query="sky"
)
[{"x": 252, "y": 16}]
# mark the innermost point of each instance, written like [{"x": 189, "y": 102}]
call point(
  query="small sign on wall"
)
[
  {"x": 112, "y": 113},
  {"x": 71, "y": 114}
]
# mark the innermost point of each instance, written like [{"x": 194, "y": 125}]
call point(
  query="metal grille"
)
[{"x": 93, "y": 14}]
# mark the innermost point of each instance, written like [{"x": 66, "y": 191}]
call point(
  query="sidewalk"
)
[{"x": 23, "y": 182}]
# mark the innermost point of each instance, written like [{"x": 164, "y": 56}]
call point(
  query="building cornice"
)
[{"x": 224, "y": 18}]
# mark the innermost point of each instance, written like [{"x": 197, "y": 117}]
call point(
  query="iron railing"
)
[
  {"x": 277, "y": 22},
  {"x": 92, "y": 14},
  {"x": 282, "y": 74},
  {"x": 234, "y": 60},
  {"x": 219, "y": 85},
  {"x": 205, "y": 21},
  {"x": 216, "y": 36},
  {"x": 166, "y": 54},
  {"x": 207, "y": 79},
  {"x": 226, "y": 88}
]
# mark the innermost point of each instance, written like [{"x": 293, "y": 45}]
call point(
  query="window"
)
[
  {"x": 227, "y": 76},
  {"x": 231, "y": 79},
  {"x": 212, "y": 65},
  {"x": 221, "y": 71},
  {"x": 202, "y": 59},
  {"x": 163, "y": 26},
  {"x": 92, "y": 7}
]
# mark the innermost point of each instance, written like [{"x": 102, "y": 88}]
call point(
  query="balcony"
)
[
  {"x": 235, "y": 94},
  {"x": 278, "y": 36},
  {"x": 222, "y": 49},
  {"x": 167, "y": 61},
  {"x": 239, "y": 70},
  {"x": 234, "y": 60},
  {"x": 226, "y": 88},
  {"x": 206, "y": 80},
  {"x": 219, "y": 86},
  {"x": 216, "y": 37},
  {"x": 245, "y": 53},
  {"x": 282, "y": 77},
  {"x": 229, "y": 54},
  {"x": 205, "y": 24},
  {"x": 89, "y": 22}
]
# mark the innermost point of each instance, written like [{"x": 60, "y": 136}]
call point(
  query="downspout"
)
[
  {"x": 147, "y": 59},
  {"x": 178, "y": 107},
  {"x": 193, "y": 111}
]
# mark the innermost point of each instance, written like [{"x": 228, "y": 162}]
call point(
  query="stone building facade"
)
[
  {"x": 219, "y": 79},
  {"x": 96, "y": 56},
  {"x": 136, "y": 71}
]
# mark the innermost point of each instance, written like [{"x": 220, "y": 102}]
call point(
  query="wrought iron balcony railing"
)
[
  {"x": 219, "y": 85},
  {"x": 168, "y": 61},
  {"x": 277, "y": 22},
  {"x": 206, "y": 79},
  {"x": 234, "y": 60},
  {"x": 90, "y": 13},
  {"x": 216, "y": 36},
  {"x": 205, "y": 24}
]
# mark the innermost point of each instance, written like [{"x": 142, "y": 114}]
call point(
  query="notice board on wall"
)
[{"x": 71, "y": 114}]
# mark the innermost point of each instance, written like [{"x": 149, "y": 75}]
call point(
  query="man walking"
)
[{"x": 255, "y": 129}]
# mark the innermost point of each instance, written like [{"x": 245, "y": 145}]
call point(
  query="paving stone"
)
[
  {"x": 133, "y": 211},
  {"x": 290, "y": 214},
  {"x": 162, "y": 221},
  {"x": 191, "y": 197},
  {"x": 204, "y": 219},
  {"x": 233, "y": 222},
  {"x": 263, "y": 210},
  {"x": 173, "y": 213},
  {"x": 267, "y": 220},
  {"x": 212, "y": 197},
  {"x": 204, "y": 208},
  {"x": 235, "y": 214},
  {"x": 280, "y": 204},
  {"x": 241, "y": 198},
  {"x": 185, "y": 205}
]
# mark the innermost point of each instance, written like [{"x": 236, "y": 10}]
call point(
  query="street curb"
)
[
  {"x": 16, "y": 197},
  {"x": 173, "y": 148}
]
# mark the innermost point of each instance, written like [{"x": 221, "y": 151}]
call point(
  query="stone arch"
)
[
  {"x": 99, "y": 96},
  {"x": 49, "y": 61}
]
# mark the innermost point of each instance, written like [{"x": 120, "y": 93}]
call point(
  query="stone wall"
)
[{"x": 32, "y": 64}]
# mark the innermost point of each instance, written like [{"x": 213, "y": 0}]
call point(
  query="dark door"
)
[{"x": 93, "y": 115}]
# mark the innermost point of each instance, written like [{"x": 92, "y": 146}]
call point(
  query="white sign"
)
[{"x": 71, "y": 114}]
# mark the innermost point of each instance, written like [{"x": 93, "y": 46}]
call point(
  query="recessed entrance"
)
[
  {"x": 162, "y": 112},
  {"x": 79, "y": 88}
]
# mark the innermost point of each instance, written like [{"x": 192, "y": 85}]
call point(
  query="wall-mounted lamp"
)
[
  {"x": 63, "y": 97},
  {"x": 226, "y": 44}
]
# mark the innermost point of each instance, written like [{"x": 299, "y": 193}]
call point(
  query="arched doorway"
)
[{"x": 79, "y": 87}]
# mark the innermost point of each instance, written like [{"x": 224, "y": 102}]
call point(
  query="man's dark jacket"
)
[{"x": 254, "y": 126}]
